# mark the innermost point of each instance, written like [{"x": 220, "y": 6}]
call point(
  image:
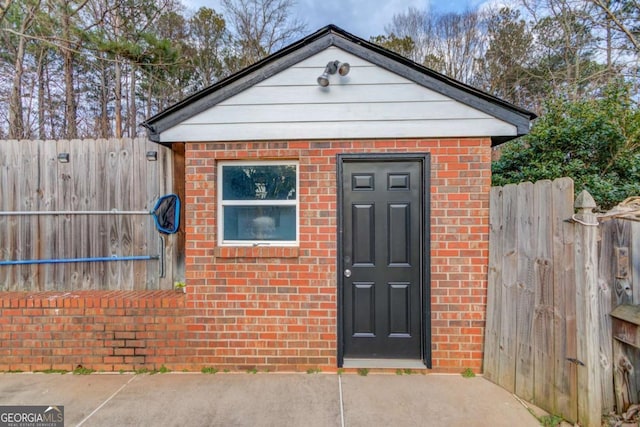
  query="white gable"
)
[{"x": 370, "y": 102}]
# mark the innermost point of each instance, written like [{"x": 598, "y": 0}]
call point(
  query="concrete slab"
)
[
  {"x": 430, "y": 400},
  {"x": 79, "y": 394},
  {"x": 224, "y": 400},
  {"x": 268, "y": 399}
]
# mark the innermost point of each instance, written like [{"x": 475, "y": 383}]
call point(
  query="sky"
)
[{"x": 363, "y": 18}]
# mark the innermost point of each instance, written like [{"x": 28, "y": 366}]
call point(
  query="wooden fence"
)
[
  {"x": 548, "y": 332},
  {"x": 101, "y": 175}
]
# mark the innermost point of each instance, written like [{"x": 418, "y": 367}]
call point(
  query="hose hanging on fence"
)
[{"x": 165, "y": 213}]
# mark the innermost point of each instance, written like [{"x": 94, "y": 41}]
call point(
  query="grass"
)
[
  {"x": 53, "y": 371},
  {"x": 468, "y": 373},
  {"x": 252, "y": 371},
  {"x": 162, "y": 370},
  {"x": 314, "y": 371},
  {"x": 209, "y": 370},
  {"x": 363, "y": 372},
  {"x": 550, "y": 420},
  {"x": 404, "y": 371},
  {"x": 81, "y": 370},
  {"x": 340, "y": 371}
]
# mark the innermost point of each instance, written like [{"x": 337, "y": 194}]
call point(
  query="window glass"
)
[
  {"x": 259, "y": 182},
  {"x": 258, "y": 202},
  {"x": 259, "y": 223}
]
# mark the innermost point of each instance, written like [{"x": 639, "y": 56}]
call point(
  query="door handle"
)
[{"x": 347, "y": 273}]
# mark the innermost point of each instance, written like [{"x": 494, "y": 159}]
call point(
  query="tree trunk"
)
[
  {"x": 69, "y": 90},
  {"x": 16, "y": 119},
  {"x": 41, "y": 92},
  {"x": 118, "y": 83},
  {"x": 133, "y": 111},
  {"x": 118, "y": 100},
  {"x": 104, "y": 101}
]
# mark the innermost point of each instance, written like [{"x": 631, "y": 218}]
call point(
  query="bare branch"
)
[
  {"x": 4, "y": 8},
  {"x": 632, "y": 38}
]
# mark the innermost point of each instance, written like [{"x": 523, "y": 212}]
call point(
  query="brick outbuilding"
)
[{"x": 336, "y": 215}]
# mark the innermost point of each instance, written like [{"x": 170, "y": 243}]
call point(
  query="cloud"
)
[{"x": 364, "y": 18}]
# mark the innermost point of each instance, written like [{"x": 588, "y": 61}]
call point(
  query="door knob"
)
[{"x": 347, "y": 273}]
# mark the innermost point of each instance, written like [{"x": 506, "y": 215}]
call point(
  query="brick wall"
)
[
  {"x": 101, "y": 330},
  {"x": 266, "y": 307},
  {"x": 276, "y": 308}
]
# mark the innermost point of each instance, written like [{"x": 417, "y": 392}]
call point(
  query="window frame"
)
[{"x": 222, "y": 204}]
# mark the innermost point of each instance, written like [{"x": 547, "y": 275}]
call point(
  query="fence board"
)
[
  {"x": 98, "y": 244},
  {"x": 65, "y": 242},
  {"x": 48, "y": 224},
  {"x": 634, "y": 257},
  {"x": 153, "y": 192},
  {"x": 494, "y": 289},
  {"x": 543, "y": 311},
  {"x": 80, "y": 160},
  {"x": 101, "y": 175},
  {"x": 587, "y": 319},
  {"x": 113, "y": 169},
  {"x": 93, "y": 268},
  {"x": 138, "y": 190},
  {"x": 635, "y": 266},
  {"x": 507, "y": 348},
  {"x": 125, "y": 196},
  {"x": 6, "y": 178},
  {"x": 29, "y": 233},
  {"x": 166, "y": 180},
  {"x": 614, "y": 288},
  {"x": 565, "y": 341},
  {"x": 525, "y": 291},
  {"x": 9, "y": 191}
]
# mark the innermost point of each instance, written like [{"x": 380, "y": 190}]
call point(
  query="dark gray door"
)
[{"x": 382, "y": 215}]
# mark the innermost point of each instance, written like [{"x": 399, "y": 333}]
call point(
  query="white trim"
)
[{"x": 221, "y": 204}]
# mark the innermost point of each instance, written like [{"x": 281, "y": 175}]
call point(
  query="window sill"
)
[{"x": 257, "y": 252}]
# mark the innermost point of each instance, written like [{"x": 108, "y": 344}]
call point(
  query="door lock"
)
[{"x": 347, "y": 273}]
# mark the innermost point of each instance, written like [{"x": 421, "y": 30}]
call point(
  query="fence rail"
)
[{"x": 92, "y": 206}]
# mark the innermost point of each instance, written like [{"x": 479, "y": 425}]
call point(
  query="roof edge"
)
[{"x": 332, "y": 35}]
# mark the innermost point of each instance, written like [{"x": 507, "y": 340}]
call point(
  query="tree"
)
[
  {"x": 22, "y": 19},
  {"x": 502, "y": 70},
  {"x": 404, "y": 46},
  {"x": 448, "y": 43},
  {"x": 625, "y": 16},
  {"x": 461, "y": 43},
  {"x": 70, "y": 40},
  {"x": 210, "y": 38},
  {"x": 414, "y": 25},
  {"x": 261, "y": 26},
  {"x": 565, "y": 57},
  {"x": 594, "y": 141},
  {"x": 164, "y": 59},
  {"x": 4, "y": 8}
]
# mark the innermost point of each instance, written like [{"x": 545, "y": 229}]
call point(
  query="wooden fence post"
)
[{"x": 588, "y": 325}]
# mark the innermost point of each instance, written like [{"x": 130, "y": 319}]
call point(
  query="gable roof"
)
[{"x": 319, "y": 41}]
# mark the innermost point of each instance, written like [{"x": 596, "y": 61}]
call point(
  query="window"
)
[{"x": 258, "y": 203}]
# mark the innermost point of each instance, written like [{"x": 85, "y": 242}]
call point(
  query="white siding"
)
[{"x": 370, "y": 102}]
